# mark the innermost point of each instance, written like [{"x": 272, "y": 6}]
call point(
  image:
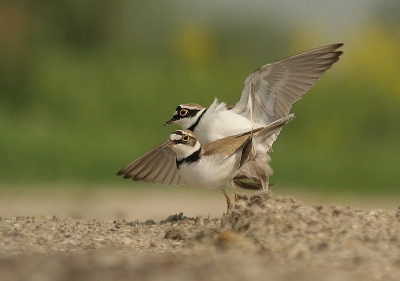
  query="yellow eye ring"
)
[
  {"x": 185, "y": 138},
  {"x": 183, "y": 112}
]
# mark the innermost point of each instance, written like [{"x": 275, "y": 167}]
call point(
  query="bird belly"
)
[{"x": 210, "y": 172}]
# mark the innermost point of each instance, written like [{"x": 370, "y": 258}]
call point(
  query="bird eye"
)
[
  {"x": 183, "y": 112},
  {"x": 185, "y": 138}
]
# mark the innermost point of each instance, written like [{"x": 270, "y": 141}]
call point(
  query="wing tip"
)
[
  {"x": 124, "y": 174},
  {"x": 333, "y": 47}
]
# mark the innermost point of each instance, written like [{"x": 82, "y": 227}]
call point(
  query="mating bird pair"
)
[{"x": 222, "y": 146}]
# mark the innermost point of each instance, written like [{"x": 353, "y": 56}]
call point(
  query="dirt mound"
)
[{"x": 260, "y": 237}]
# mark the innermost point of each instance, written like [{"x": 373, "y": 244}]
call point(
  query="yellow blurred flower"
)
[
  {"x": 196, "y": 44},
  {"x": 375, "y": 56}
]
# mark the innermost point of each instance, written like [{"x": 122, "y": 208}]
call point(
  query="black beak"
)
[{"x": 170, "y": 121}]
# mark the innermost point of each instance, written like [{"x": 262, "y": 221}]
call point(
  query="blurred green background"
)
[{"x": 85, "y": 86}]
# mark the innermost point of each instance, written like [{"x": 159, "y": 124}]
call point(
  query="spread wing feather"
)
[
  {"x": 157, "y": 166},
  {"x": 270, "y": 91}
]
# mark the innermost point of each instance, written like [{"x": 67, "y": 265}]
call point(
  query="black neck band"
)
[
  {"x": 194, "y": 157},
  {"x": 197, "y": 122}
]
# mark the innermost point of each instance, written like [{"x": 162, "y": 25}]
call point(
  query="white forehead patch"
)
[{"x": 175, "y": 137}]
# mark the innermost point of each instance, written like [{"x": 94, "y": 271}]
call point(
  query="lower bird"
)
[{"x": 207, "y": 166}]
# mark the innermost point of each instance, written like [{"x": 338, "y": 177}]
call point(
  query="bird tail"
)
[{"x": 254, "y": 161}]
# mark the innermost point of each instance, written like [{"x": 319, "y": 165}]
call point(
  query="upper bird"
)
[{"x": 267, "y": 96}]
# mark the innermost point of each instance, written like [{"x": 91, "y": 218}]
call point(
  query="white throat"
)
[{"x": 185, "y": 150}]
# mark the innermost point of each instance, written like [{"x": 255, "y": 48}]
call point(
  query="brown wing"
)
[{"x": 157, "y": 166}]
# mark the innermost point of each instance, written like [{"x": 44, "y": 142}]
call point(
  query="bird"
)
[
  {"x": 207, "y": 166},
  {"x": 268, "y": 95}
]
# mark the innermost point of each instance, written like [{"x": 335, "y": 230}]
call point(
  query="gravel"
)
[{"x": 260, "y": 237}]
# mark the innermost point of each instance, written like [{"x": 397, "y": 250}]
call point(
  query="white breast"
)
[
  {"x": 210, "y": 172},
  {"x": 221, "y": 124},
  {"x": 218, "y": 122}
]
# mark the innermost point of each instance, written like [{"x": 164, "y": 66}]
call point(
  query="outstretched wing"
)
[
  {"x": 157, "y": 166},
  {"x": 270, "y": 91}
]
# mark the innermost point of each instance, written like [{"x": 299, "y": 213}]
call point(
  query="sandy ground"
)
[
  {"x": 260, "y": 238},
  {"x": 141, "y": 202}
]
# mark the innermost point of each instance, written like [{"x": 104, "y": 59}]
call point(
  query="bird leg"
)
[
  {"x": 234, "y": 190},
  {"x": 236, "y": 194},
  {"x": 228, "y": 199}
]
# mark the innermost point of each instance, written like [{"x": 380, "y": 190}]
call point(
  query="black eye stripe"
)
[{"x": 191, "y": 113}]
